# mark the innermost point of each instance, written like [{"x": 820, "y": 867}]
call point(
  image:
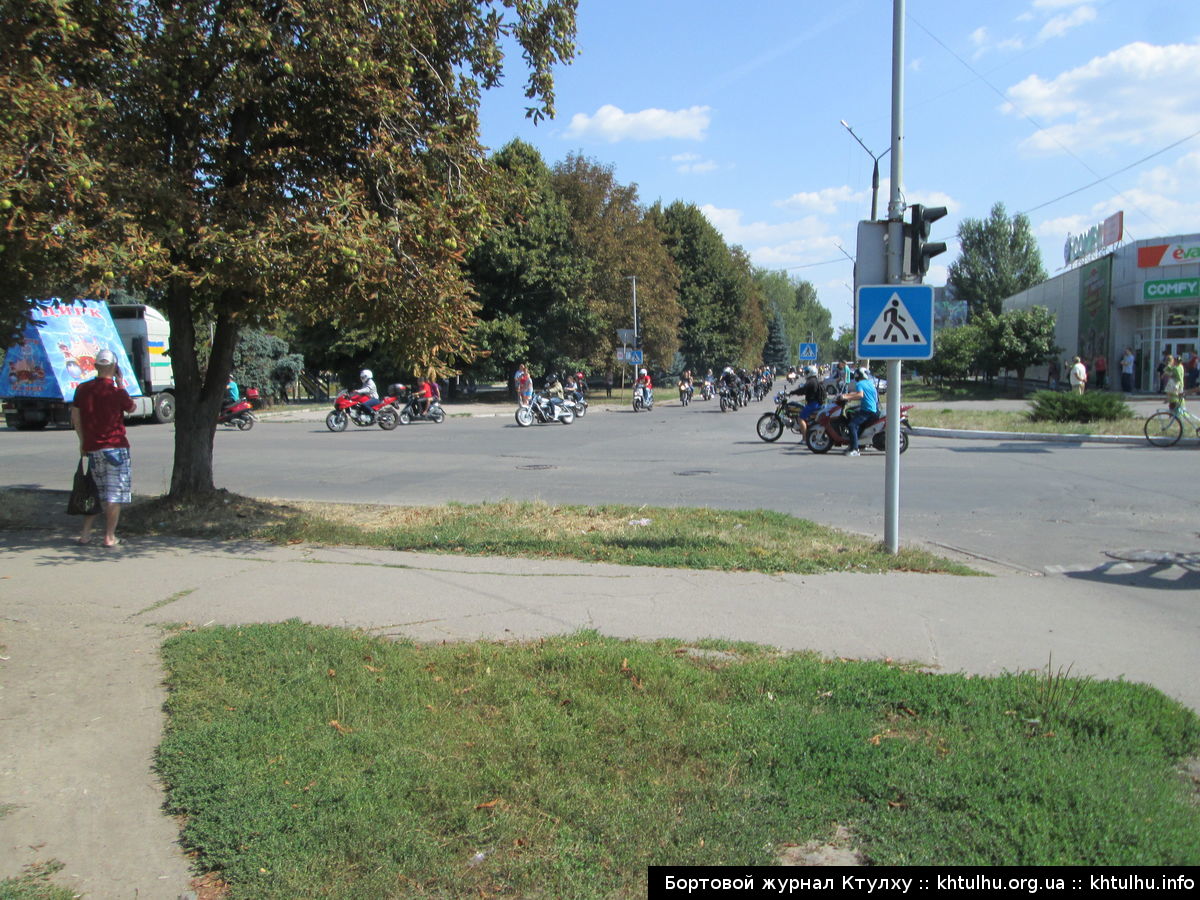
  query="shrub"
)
[{"x": 1098, "y": 406}]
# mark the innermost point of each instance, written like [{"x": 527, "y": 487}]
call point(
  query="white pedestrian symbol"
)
[{"x": 895, "y": 326}]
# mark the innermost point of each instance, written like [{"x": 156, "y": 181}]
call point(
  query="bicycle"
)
[{"x": 1165, "y": 427}]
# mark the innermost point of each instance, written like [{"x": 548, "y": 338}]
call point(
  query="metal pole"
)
[
  {"x": 895, "y": 270},
  {"x": 633, "y": 278}
]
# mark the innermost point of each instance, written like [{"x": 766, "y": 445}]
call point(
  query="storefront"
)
[{"x": 1144, "y": 295}]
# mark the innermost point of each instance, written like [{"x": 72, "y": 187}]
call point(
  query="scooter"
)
[
  {"x": 409, "y": 409},
  {"x": 832, "y": 430},
  {"x": 543, "y": 409},
  {"x": 643, "y": 399},
  {"x": 237, "y": 414},
  {"x": 358, "y": 407}
]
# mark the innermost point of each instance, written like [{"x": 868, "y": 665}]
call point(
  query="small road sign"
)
[
  {"x": 895, "y": 321},
  {"x": 808, "y": 352},
  {"x": 625, "y": 335},
  {"x": 634, "y": 357}
]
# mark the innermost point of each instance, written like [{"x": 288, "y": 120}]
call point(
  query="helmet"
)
[
  {"x": 642, "y": 372},
  {"x": 810, "y": 371},
  {"x": 861, "y": 374},
  {"x": 365, "y": 374}
]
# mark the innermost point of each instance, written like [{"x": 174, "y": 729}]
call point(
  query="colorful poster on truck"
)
[{"x": 57, "y": 352}]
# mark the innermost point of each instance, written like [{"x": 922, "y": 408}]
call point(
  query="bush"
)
[{"x": 1098, "y": 406}]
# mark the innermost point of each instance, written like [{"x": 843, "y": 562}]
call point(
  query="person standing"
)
[
  {"x": 98, "y": 417},
  {"x": 1078, "y": 376},
  {"x": 524, "y": 385},
  {"x": 1100, "y": 367},
  {"x": 1127, "y": 361}
]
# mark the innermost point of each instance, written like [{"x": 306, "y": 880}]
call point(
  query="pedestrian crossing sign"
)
[
  {"x": 895, "y": 321},
  {"x": 808, "y": 353}
]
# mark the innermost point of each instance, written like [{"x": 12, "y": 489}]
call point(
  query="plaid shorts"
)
[{"x": 111, "y": 471}]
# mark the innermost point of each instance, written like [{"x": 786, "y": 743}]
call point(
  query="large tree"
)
[
  {"x": 312, "y": 157},
  {"x": 804, "y": 319},
  {"x": 998, "y": 257},
  {"x": 611, "y": 229}
]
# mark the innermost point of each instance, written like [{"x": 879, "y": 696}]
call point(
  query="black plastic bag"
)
[{"x": 85, "y": 496}]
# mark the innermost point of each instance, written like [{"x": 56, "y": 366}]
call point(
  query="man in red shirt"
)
[{"x": 97, "y": 415}]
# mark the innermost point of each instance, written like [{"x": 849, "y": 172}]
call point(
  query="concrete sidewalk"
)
[{"x": 80, "y": 680}]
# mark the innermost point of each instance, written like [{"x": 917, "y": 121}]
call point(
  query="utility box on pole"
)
[{"x": 870, "y": 262}]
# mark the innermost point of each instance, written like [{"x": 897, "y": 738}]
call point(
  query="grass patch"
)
[
  {"x": 35, "y": 884},
  {"x": 318, "y": 762},
  {"x": 917, "y": 392},
  {"x": 683, "y": 537},
  {"x": 1097, "y": 406},
  {"x": 1016, "y": 421}
]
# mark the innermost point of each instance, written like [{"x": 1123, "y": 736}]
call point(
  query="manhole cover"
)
[
  {"x": 538, "y": 467},
  {"x": 695, "y": 472}
]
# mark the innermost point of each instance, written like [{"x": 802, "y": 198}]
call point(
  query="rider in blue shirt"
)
[{"x": 868, "y": 410}]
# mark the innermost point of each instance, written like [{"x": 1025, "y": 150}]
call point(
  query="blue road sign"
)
[
  {"x": 808, "y": 352},
  {"x": 634, "y": 357},
  {"x": 895, "y": 321}
]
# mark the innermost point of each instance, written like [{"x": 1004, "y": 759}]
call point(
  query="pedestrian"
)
[
  {"x": 1100, "y": 367},
  {"x": 98, "y": 417},
  {"x": 1052, "y": 374},
  {"x": 608, "y": 383},
  {"x": 524, "y": 385},
  {"x": 1173, "y": 381},
  {"x": 1078, "y": 376},
  {"x": 1127, "y": 361}
]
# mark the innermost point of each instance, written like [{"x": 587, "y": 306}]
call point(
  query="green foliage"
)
[
  {"x": 1016, "y": 339},
  {"x": 795, "y": 302},
  {"x": 957, "y": 353},
  {"x": 775, "y": 350},
  {"x": 35, "y": 884},
  {"x": 998, "y": 257},
  {"x": 311, "y": 761},
  {"x": 1094, "y": 406},
  {"x": 842, "y": 347}
]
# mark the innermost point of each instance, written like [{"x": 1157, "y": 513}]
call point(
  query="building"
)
[{"x": 1144, "y": 295}]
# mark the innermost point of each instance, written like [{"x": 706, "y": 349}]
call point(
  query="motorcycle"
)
[
  {"x": 706, "y": 391},
  {"x": 543, "y": 409},
  {"x": 831, "y": 429},
  {"x": 730, "y": 398},
  {"x": 786, "y": 416},
  {"x": 358, "y": 407},
  {"x": 685, "y": 394},
  {"x": 642, "y": 399},
  {"x": 578, "y": 403},
  {"x": 237, "y": 415}
]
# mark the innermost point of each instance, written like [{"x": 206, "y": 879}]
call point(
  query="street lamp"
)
[{"x": 874, "y": 172}]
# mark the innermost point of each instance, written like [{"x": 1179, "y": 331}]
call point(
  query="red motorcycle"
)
[
  {"x": 358, "y": 407},
  {"x": 832, "y": 430}
]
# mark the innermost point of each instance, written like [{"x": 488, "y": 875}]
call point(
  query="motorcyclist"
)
[
  {"x": 368, "y": 394},
  {"x": 685, "y": 384},
  {"x": 868, "y": 410},
  {"x": 644, "y": 385},
  {"x": 813, "y": 396}
]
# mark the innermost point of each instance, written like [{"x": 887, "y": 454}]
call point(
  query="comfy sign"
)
[
  {"x": 1167, "y": 255},
  {"x": 1171, "y": 289}
]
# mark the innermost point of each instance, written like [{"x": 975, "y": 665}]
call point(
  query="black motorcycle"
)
[{"x": 545, "y": 408}]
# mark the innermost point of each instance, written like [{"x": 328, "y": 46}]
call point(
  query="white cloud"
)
[
  {"x": 692, "y": 164},
  {"x": 1060, "y": 25},
  {"x": 612, "y": 124},
  {"x": 1161, "y": 203},
  {"x": 825, "y": 200},
  {"x": 1058, "y": 4},
  {"x": 781, "y": 244},
  {"x": 979, "y": 37},
  {"x": 1138, "y": 94}
]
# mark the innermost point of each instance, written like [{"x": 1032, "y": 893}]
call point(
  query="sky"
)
[{"x": 1066, "y": 110}]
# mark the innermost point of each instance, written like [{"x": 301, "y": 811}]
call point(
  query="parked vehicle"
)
[
  {"x": 830, "y": 430},
  {"x": 57, "y": 351},
  {"x": 543, "y": 409},
  {"x": 358, "y": 407},
  {"x": 786, "y": 417}
]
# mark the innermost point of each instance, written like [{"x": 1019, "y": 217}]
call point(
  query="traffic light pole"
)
[{"x": 895, "y": 273}]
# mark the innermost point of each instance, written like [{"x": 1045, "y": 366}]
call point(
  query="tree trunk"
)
[{"x": 197, "y": 395}]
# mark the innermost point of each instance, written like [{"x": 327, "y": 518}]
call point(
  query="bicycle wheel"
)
[{"x": 1163, "y": 429}]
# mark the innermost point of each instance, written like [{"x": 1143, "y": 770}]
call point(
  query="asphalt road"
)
[{"x": 1029, "y": 505}]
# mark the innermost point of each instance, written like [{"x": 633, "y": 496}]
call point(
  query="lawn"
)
[{"x": 309, "y": 761}]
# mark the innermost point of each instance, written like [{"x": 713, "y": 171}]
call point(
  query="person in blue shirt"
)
[{"x": 868, "y": 409}]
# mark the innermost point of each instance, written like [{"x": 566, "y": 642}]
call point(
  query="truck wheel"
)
[{"x": 164, "y": 408}]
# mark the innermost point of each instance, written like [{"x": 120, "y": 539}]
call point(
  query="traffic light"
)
[
  {"x": 637, "y": 341},
  {"x": 920, "y": 248}
]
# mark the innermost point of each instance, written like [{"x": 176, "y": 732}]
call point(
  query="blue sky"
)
[{"x": 1020, "y": 101}]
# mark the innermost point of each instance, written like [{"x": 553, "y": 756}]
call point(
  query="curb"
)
[{"x": 1037, "y": 436}]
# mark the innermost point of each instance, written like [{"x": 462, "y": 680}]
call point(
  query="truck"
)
[{"x": 57, "y": 352}]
